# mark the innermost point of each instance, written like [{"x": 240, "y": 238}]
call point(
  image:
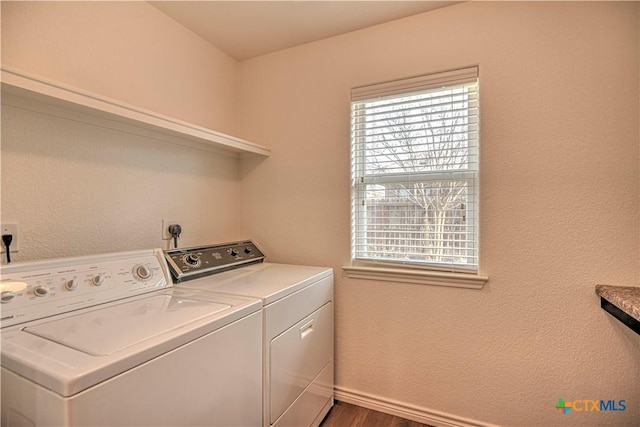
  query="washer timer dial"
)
[{"x": 142, "y": 272}]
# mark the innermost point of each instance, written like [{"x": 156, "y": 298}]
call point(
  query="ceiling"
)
[{"x": 245, "y": 29}]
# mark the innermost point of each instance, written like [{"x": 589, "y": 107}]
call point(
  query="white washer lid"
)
[
  {"x": 66, "y": 370},
  {"x": 104, "y": 332}
]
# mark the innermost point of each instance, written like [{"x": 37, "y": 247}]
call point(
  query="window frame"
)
[{"x": 456, "y": 274}]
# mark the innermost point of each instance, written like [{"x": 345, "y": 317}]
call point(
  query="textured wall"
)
[
  {"x": 79, "y": 189},
  {"x": 559, "y": 207},
  {"x": 128, "y": 51},
  {"x": 560, "y": 185}
]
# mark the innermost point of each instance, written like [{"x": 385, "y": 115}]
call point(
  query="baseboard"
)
[{"x": 403, "y": 410}]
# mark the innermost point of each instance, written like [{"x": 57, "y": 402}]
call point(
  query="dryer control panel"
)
[
  {"x": 34, "y": 290},
  {"x": 199, "y": 261}
]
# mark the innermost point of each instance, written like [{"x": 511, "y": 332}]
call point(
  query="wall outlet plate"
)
[
  {"x": 10, "y": 228},
  {"x": 165, "y": 228}
]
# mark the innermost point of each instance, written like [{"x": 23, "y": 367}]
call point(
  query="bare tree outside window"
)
[{"x": 415, "y": 173}]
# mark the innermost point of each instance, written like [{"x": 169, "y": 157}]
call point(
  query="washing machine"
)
[
  {"x": 297, "y": 320},
  {"x": 107, "y": 340}
]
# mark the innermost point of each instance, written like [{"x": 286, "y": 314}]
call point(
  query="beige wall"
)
[
  {"x": 129, "y": 51},
  {"x": 76, "y": 188},
  {"x": 559, "y": 207},
  {"x": 560, "y": 185}
]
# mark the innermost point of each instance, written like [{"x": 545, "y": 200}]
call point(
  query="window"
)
[{"x": 414, "y": 165}]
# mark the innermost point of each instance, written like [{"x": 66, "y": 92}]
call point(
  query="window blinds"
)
[{"x": 415, "y": 164}]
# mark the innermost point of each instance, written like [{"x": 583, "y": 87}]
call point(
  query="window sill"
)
[{"x": 421, "y": 277}]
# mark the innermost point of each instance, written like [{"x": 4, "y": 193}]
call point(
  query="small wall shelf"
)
[
  {"x": 623, "y": 303},
  {"x": 35, "y": 93}
]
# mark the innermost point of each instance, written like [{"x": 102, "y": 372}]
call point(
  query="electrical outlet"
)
[
  {"x": 11, "y": 228},
  {"x": 165, "y": 227}
]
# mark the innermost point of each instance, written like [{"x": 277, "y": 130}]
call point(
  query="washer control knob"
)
[
  {"x": 142, "y": 272},
  {"x": 40, "y": 291},
  {"x": 192, "y": 259},
  {"x": 247, "y": 250},
  {"x": 71, "y": 285},
  {"x": 233, "y": 252},
  {"x": 7, "y": 296},
  {"x": 98, "y": 280}
]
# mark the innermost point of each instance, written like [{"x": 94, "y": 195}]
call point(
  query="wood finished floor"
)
[{"x": 347, "y": 415}]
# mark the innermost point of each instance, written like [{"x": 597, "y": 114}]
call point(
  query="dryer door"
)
[{"x": 297, "y": 356}]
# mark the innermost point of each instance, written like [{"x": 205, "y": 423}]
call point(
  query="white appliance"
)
[
  {"x": 298, "y": 323},
  {"x": 107, "y": 340}
]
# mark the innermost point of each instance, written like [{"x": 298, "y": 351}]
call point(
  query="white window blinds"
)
[{"x": 414, "y": 146}]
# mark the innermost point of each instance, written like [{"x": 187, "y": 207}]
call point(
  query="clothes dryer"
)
[{"x": 297, "y": 311}]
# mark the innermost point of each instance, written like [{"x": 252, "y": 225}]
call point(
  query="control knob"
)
[
  {"x": 142, "y": 272},
  {"x": 71, "y": 285},
  {"x": 247, "y": 250},
  {"x": 40, "y": 291},
  {"x": 7, "y": 296},
  {"x": 98, "y": 280},
  {"x": 233, "y": 252},
  {"x": 192, "y": 259}
]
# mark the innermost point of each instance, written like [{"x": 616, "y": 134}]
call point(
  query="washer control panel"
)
[
  {"x": 199, "y": 261},
  {"x": 35, "y": 290}
]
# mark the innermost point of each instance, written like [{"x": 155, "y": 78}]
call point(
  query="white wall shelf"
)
[{"x": 26, "y": 91}]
